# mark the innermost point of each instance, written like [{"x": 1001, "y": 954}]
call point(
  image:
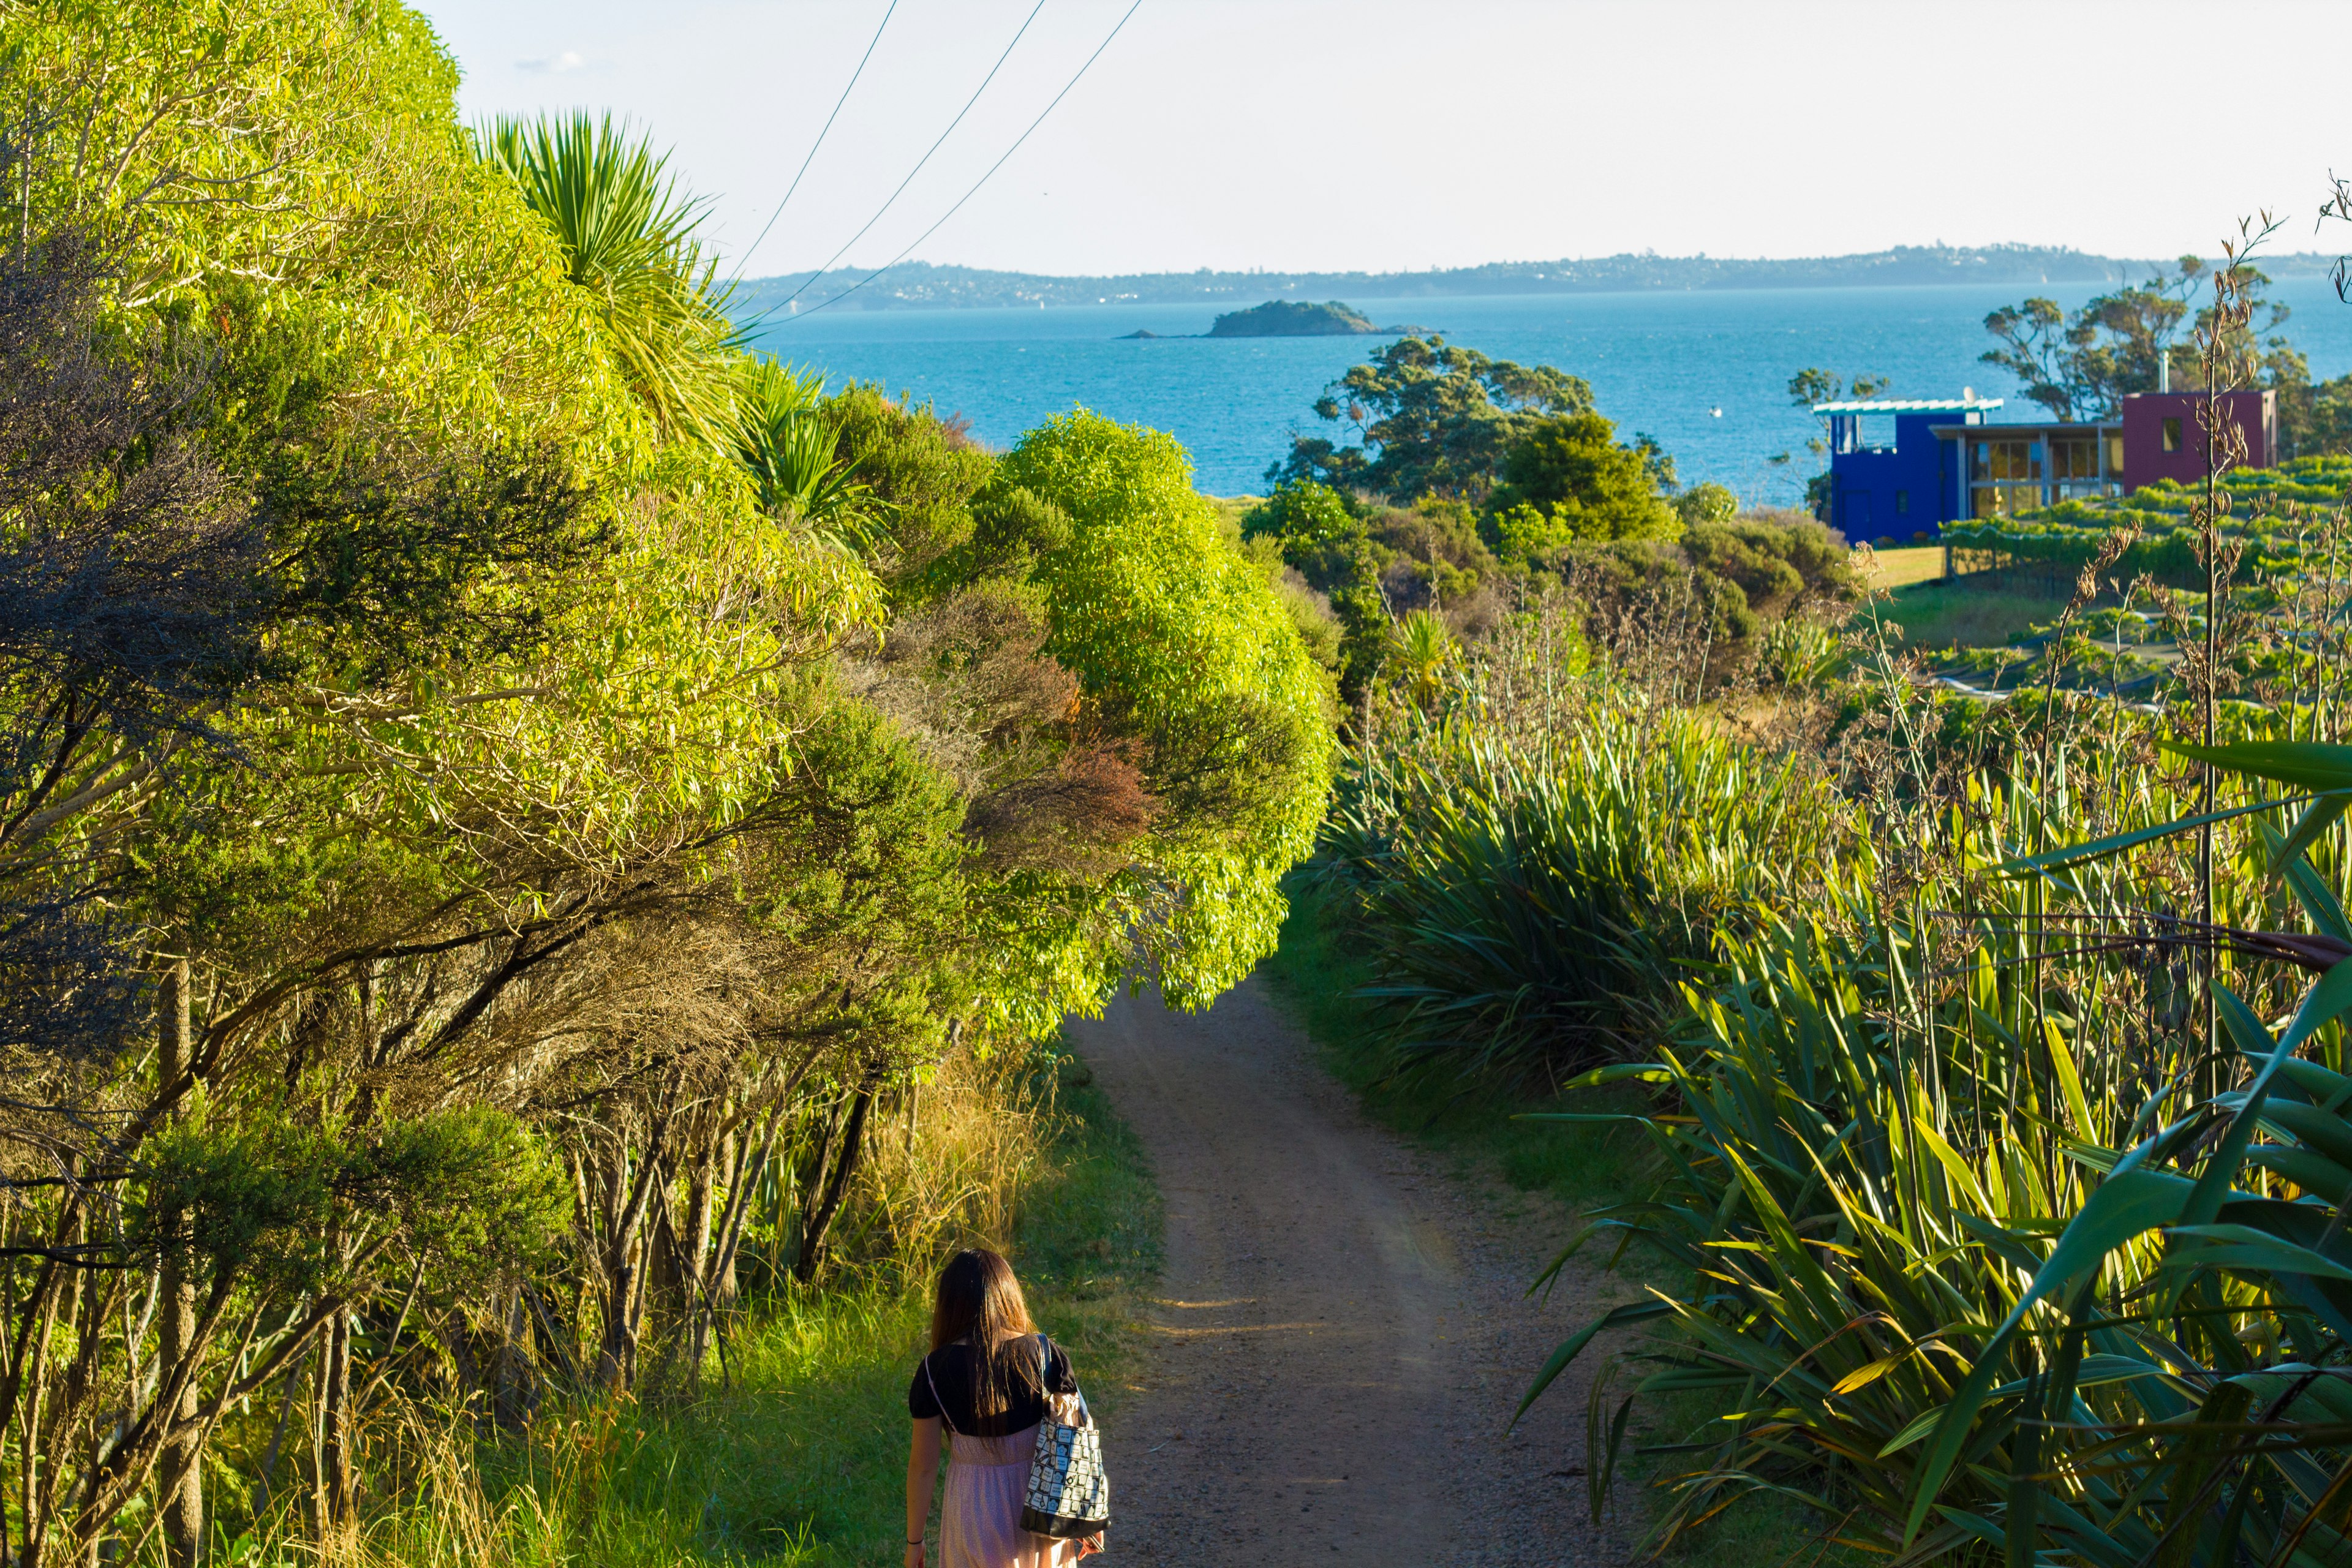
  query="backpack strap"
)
[{"x": 934, "y": 1396}]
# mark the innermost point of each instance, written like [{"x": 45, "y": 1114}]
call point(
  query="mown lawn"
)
[{"x": 1892, "y": 569}]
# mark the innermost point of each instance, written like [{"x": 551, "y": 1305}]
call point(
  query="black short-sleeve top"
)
[{"x": 949, "y": 1371}]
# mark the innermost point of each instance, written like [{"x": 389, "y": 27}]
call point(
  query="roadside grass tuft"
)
[{"x": 1318, "y": 974}]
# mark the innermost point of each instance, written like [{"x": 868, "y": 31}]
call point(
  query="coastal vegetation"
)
[
  {"x": 1983, "y": 1062},
  {"x": 1471, "y": 486},
  {"x": 542, "y": 857}
]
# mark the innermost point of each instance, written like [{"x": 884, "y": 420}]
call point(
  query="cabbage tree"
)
[{"x": 627, "y": 234}]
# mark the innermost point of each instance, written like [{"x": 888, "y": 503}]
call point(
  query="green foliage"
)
[
  {"x": 1300, "y": 513},
  {"x": 579, "y": 784},
  {"x": 2013, "y": 1217},
  {"x": 1734, "y": 581},
  {"x": 1776, "y": 566},
  {"x": 2326, "y": 424},
  {"x": 1176, "y": 641},
  {"x": 1705, "y": 503},
  {"x": 2279, "y": 541},
  {"x": 789, "y": 447},
  {"x": 298, "y": 1208},
  {"x": 1532, "y": 904},
  {"x": 1431, "y": 417},
  {"x": 1311, "y": 615},
  {"x": 626, "y": 231},
  {"x": 923, "y": 473},
  {"x": 1371, "y": 562},
  {"x": 1568, "y": 470},
  {"x": 1973, "y": 1237}
]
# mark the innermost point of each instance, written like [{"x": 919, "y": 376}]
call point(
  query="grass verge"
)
[
  {"x": 1985, "y": 610},
  {"x": 1900, "y": 568},
  {"x": 795, "y": 1454},
  {"x": 1318, "y": 973}
]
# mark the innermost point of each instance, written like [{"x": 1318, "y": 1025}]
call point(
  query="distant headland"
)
[{"x": 922, "y": 286}]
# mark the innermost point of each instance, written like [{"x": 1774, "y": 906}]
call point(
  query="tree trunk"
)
[
  {"x": 624, "y": 1261},
  {"x": 844, "y": 1165},
  {"x": 809, "y": 1179},
  {"x": 335, "y": 1443},
  {"x": 690, "y": 1256},
  {"x": 180, "y": 1469},
  {"x": 517, "y": 1393}
]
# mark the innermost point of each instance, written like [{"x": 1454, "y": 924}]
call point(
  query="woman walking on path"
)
[{"x": 985, "y": 1381}]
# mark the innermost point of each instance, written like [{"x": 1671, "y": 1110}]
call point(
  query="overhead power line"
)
[
  {"x": 927, "y": 234},
  {"x": 746, "y": 259},
  {"x": 917, "y": 169}
]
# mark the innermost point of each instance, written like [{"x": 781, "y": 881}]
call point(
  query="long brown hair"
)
[{"x": 980, "y": 1301}]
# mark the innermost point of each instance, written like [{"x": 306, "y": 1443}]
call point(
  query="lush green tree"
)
[
  {"x": 1709, "y": 503},
  {"x": 2328, "y": 421},
  {"x": 1429, "y": 416},
  {"x": 1571, "y": 472},
  {"x": 524, "y": 808},
  {"x": 922, "y": 472},
  {"x": 1371, "y": 562},
  {"x": 1300, "y": 513},
  {"x": 1778, "y": 567},
  {"x": 1177, "y": 645}
]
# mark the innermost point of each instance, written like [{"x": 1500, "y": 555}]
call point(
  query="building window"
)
[
  {"x": 2004, "y": 460},
  {"x": 2004, "y": 478},
  {"x": 2075, "y": 466},
  {"x": 2115, "y": 457},
  {"x": 2172, "y": 434},
  {"x": 2073, "y": 458},
  {"x": 1902, "y": 503}
]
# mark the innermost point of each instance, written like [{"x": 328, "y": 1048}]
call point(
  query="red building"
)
[{"x": 2163, "y": 440}]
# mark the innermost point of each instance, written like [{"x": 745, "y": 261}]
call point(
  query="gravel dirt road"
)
[{"x": 1342, "y": 1330}]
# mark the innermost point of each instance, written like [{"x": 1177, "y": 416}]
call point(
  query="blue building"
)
[
  {"x": 1907, "y": 488},
  {"x": 1948, "y": 463}
]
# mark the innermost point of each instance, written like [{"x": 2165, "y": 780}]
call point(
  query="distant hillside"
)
[{"x": 919, "y": 285}]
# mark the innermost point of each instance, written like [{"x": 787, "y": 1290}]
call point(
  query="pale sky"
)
[{"x": 1379, "y": 134}]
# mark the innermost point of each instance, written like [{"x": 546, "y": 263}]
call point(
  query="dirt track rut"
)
[{"x": 1342, "y": 1330}]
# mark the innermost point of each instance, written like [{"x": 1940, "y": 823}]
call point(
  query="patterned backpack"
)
[{"x": 1069, "y": 1493}]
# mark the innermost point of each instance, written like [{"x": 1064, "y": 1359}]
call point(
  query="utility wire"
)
[
  {"x": 746, "y": 259},
  {"x": 910, "y": 180},
  {"x": 927, "y": 234}
]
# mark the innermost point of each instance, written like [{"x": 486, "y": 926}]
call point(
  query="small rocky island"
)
[{"x": 1289, "y": 319}]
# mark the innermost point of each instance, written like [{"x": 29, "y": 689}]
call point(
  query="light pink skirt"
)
[{"x": 979, "y": 1522}]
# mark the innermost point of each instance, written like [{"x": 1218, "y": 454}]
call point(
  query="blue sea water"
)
[{"x": 1660, "y": 363}]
